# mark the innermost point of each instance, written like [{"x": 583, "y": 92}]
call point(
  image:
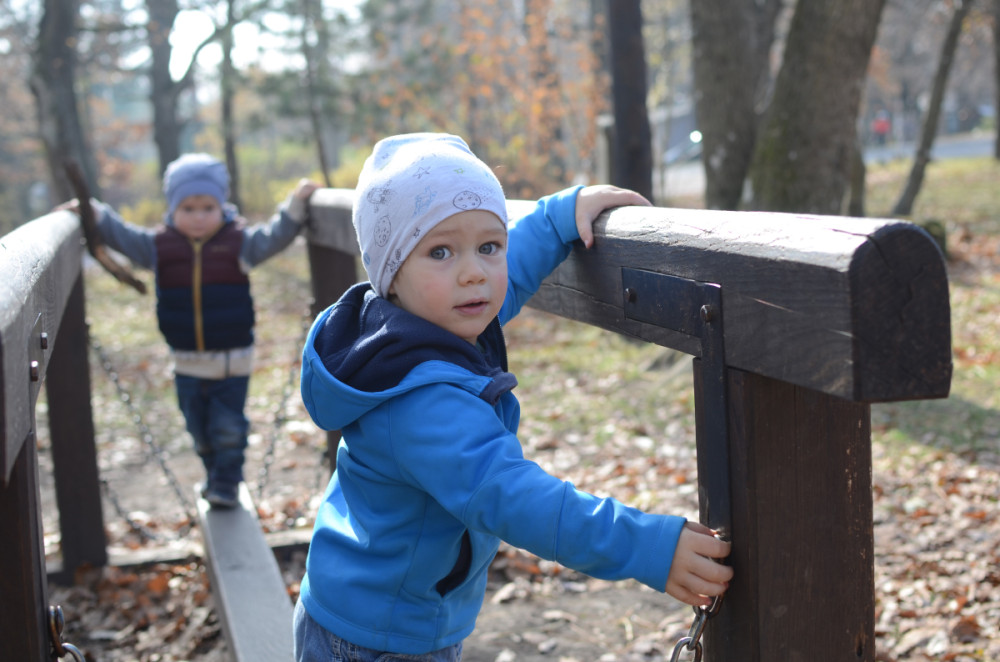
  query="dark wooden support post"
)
[
  {"x": 800, "y": 477},
  {"x": 24, "y": 625},
  {"x": 332, "y": 265},
  {"x": 74, "y": 453}
]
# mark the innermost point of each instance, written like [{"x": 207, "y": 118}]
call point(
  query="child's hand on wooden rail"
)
[
  {"x": 694, "y": 577},
  {"x": 593, "y": 200}
]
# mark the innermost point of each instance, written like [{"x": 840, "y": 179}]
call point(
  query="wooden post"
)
[
  {"x": 74, "y": 453},
  {"x": 800, "y": 479},
  {"x": 332, "y": 265},
  {"x": 24, "y": 615}
]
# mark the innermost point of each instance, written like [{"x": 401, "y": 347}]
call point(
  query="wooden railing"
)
[
  {"x": 796, "y": 323},
  {"x": 43, "y": 337}
]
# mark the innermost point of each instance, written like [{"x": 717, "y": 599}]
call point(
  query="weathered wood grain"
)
[
  {"x": 803, "y": 540},
  {"x": 39, "y": 273},
  {"x": 855, "y": 308},
  {"x": 250, "y": 595},
  {"x": 39, "y": 265}
]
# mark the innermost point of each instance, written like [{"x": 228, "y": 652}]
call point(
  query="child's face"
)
[
  {"x": 456, "y": 277},
  {"x": 198, "y": 216}
]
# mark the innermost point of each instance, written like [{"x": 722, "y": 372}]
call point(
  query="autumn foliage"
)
[{"x": 524, "y": 91}]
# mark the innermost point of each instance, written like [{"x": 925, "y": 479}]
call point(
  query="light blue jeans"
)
[{"x": 313, "y": 643}]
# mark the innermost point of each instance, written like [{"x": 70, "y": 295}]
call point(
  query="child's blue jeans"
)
[
  {"x": 213, "y": 411},
  {"x": 314, "y": 643}
]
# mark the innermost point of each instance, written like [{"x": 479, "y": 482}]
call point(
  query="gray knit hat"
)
[
  {"x": 195, "y": 174},
  {"x": 409, "y": 184}
]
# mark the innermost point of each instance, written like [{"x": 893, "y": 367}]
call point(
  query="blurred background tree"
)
[{"x": 773, "y": 97}]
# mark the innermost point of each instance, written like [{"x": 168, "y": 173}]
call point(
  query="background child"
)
[
  {"x": 201, "y": 256},
  {"x": 430, "y": 475}
]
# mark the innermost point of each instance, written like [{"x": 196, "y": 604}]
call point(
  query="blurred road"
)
[
  {"x": 688, "y": 179},
  {"x": 963, "y": 145}
]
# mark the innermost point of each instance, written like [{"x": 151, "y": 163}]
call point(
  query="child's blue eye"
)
[
  {"x": 490, "y": 248},
  {"x": 440, "y": 253}
]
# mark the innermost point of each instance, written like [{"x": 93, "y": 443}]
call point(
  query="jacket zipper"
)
[{"x": 199, "y": 320}]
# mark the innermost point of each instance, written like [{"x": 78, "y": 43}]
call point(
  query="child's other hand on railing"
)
[{"x": 592, "y": 200}]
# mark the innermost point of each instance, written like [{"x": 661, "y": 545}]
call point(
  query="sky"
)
[{"x": 250, "y": 45}]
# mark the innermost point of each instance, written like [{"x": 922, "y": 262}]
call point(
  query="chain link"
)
[
  {"x": 692, "y": 642},
  {"x": 144, "y": 531},
  {"x": 145, "y": 432},
  {"x": 687, "y": 643},
  {"x": 59, "y": 647},
  {"x": 280, "y": 414}
]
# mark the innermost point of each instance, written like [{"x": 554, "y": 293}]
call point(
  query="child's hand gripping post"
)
[
  {"x": 695, "y": 577},
  {"x": 298, "y": 200}
]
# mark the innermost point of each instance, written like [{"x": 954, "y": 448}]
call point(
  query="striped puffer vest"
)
[{"x": 203, "y": 297}]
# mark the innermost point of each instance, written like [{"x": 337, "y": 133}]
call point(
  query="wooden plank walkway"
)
[{"x": 251, "y": 598}]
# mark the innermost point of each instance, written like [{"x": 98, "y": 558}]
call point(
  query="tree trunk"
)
[
  {"x": 904, "y": 206},
  {"x": 599, "y": 26},
  {"x": 52, "y": 83},
  {"x": 164, "y": 91},
  {"x": 802, "y": 160},
  {"x": 731, "y": 40},
  {"x": 228, "y": 92},
  {"x": 996, "y": 75},
  {"x": 632, "y": 159},
  {"x": 312, "y": 16}
]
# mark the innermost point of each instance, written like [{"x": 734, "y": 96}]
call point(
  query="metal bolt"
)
[
  {"x": 34, "y": 371},
  {"x": 707, "y": 313},
  {"x": 630, "y": 295},
  {"x": 44, "y": 340}
]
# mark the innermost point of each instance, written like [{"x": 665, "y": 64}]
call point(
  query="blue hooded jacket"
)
[{"x": 430, "y": 474}]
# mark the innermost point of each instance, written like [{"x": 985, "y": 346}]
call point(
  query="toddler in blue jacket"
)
[
  {"x": 412, "y": 367},
  {"x": 201, "y": 255}
]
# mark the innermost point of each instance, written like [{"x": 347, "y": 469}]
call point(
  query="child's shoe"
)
[{"x": 222, "y": 495}]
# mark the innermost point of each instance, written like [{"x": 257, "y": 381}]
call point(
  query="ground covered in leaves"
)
[{"x": 611, "y": 416}]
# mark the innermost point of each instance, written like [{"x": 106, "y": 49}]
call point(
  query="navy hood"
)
[{"x": 368, "y": 345}]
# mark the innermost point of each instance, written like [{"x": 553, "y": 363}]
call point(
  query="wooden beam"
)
[
  {"x": 74, "y": 451},
  {"x": 250, "y": 595},
  {"x": 330, "y": 220},
  {"x": 855, "y": 308},
  {"x": 39, "y": 264}
]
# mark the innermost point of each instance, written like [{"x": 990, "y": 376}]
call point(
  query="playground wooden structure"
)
[{"x": 796, "y": 324}]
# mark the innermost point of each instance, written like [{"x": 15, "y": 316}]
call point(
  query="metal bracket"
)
[
  {"x": 694, "y": 309},
  {"x": 38, "y": 342}
]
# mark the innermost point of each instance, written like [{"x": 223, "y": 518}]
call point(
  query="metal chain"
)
[
  {"x": 280, "y": 417},
  {"x": 59, "y": 647},
  {"x": 692, "y": 642},
  {"x": 146, "y": 433},
  {"x": 144, "y": 531}
]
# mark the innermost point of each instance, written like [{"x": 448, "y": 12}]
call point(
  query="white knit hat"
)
[{"x": 409, "y": 184}]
